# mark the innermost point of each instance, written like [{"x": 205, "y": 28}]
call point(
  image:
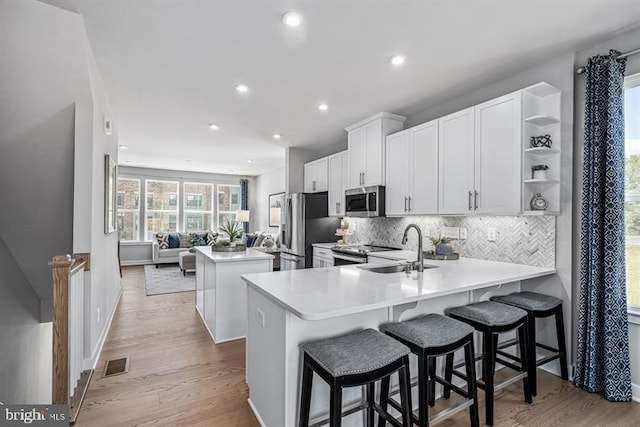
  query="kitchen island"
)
[
  {"x": 221, "y": 295},
  {"x": 286, "y": 309}
]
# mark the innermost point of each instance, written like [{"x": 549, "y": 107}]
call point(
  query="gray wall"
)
[
  {"x": 267, "y": 183},
  {"x": 624, "y": 43}
]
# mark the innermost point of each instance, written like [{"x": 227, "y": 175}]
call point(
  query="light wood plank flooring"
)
[{"x": 178, "y": 377}]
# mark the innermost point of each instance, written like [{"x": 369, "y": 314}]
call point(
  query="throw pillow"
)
[
  {"x": 212, "y": 238},
  {"x": 163, "y": 240},
  {"x": 268, "y": 242},
  {"x": 184, "y": 240},
  {"x": 174, "y": 241},
  {"x": 259, "y": 240},
  {"x": 198, "y": 239},
  {"x": 251, "y": 239}
]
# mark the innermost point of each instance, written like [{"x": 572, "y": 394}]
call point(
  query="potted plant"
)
[{"x": 232, "y": 228}]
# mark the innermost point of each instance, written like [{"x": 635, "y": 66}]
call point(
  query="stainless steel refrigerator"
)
[{"x": 306, "y": 221}]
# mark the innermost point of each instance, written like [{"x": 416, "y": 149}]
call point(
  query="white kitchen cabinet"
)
[
  {"x": 456, "y": 161},
  {"x": 322, "y": 257},
  {"x": 366, "y": 148},
  {"x": 412, "y": 171},
  {"x": 338, "y": 176},
  {"x": 480, "y": 158},
  {"x": 315, "y": 176}
]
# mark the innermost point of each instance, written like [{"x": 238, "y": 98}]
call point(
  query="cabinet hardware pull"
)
[
  {"x": 475, "y": 200},
  {"x": 313, "y": 185},
  {"x": 409, "y": 203},
  {"x": 405, "y": 203},
  {"x": 470, "y": 195}
]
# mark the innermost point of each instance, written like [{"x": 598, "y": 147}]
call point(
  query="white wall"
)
[
  {"x": 624, "y": 43},
  {"x": 560, "y": 73},
  {"x": 267, "y": 183}
]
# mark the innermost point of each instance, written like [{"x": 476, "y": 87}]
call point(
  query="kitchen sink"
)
[{"x": 389, "y": 268}]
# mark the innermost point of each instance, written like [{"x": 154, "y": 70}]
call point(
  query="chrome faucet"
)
[{"x": 419, "y": 263}]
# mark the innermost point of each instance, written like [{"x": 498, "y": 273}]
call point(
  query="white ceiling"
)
[{"x": 170, "y": 67}]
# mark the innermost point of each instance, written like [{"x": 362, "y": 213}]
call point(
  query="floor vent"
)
[{"x": 117, "y": 367}]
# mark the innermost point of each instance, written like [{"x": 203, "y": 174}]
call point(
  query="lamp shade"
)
[
  {"x": 242, "y": 216},
  {"x": 274, "y": 216}
]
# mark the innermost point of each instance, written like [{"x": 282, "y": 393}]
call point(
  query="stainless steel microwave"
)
[{"x": 367, "y": 202}]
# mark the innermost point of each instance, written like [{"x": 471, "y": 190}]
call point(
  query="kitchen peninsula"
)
[{"x": 288, "y": 308}]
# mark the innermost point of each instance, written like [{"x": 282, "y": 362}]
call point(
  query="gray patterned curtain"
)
[
  {"x": 244, "y": 200},
  {"x": 602, "y": 363}
]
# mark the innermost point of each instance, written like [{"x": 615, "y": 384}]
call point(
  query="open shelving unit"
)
[{"x": 541, "y": 116}]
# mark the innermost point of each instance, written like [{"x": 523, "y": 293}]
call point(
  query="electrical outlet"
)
[
  {"x": 451, "y": 232},
  {"x": 261, "y": 317},
  {"x": 463, "y": 233},
  {"x": 491, "y": 234}
]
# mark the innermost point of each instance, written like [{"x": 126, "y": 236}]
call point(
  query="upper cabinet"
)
[
  {"x": 480, "y": 158},
  {"x": 338, "y": 182},
  {"x": 366, "y": 148},
  {"x": 315, "y": 176},
  {"x": 412, "y": 171}
]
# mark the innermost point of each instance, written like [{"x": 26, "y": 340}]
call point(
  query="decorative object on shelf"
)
[
  {"x": 541, "y": 141},
  {"x": 539, "y": 171},
  {"x": 343, "y": 231},
  {"x": 434, "y": 256},
  {"x": 538, "y": 203}
]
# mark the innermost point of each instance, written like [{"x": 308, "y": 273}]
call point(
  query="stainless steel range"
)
[{"x": 355, "y": 254}]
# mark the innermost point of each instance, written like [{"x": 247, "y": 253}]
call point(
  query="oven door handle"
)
[{"x": 359, "y": 260}]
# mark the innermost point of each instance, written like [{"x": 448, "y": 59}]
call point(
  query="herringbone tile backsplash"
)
[{"x": 529, "y": 240}]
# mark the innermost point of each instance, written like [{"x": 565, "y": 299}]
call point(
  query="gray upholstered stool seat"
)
[
  {"x": 360, "y": 358},
  {"x": 529, "y": 300},
  {"x": 355, "y": 353},
  {"x": 488, "y": 313},
  {"x": 431, "y": 330}
]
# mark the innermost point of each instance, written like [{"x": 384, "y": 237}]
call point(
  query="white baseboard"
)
[
  {"x": 255, "y": 412},
  {"x": 136, "y": 262},
  {"x": 92, "y": 362}
]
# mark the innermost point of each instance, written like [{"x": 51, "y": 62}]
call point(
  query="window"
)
[
  {"x": 632, "y": 188},
  {"x": 228, "y": 202},
  {"x": 198, "y": 206},
  {"x": 128, "y": 209},
  {"x": 162, "y": 207}
]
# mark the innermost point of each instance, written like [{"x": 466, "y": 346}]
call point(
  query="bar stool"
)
[
  {"x": 355, "y": 359},
  {"x": 428, "y": 337},
  {"x": 539, "y": 306},
  {"x": 491, "y": 319}
]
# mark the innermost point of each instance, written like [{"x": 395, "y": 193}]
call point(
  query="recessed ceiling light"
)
[
  {"x": 242, "y": 88},
  {"x": 249, "y": 161},
  {"x": 323, "y": 107},
  {"x": 292, "y": 19},
  {"x": 214, "y": 126},
  {"x": 276, "y": 136},
  {"x": 397, "y": 60},
  {"x": 123, "y": 147}
]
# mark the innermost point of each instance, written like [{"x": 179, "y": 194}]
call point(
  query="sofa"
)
[{"x": 167, "y": 246}]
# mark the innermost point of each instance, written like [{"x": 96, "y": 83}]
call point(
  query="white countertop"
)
[
  {"x": 324, "y": 245},
  {"x": 323, "y": 293},
  {"x": 247, "y": 255}
]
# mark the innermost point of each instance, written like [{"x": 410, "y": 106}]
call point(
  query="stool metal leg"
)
[
  {"x": 470, "y": 366},
  {"x": 370, "y": 401},
  {"x": 562, "y": 345},
  {"x": 305, "y": 399},
  {"x": 432, "y": 380},
  {"x": 405, "y": 394},
  {"x": 528, "y": 381},
  {"x": 488, "y": 367},
  {"x": 335, "y": 405}
]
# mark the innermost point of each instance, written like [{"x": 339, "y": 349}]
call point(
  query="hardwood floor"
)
[{"x": 178, "y": 377}]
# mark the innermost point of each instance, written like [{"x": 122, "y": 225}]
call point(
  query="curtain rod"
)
[{"x": 581, "y": 70}]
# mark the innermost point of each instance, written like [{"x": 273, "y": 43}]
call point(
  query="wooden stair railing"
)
[{"x": 70, "y": 381}]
